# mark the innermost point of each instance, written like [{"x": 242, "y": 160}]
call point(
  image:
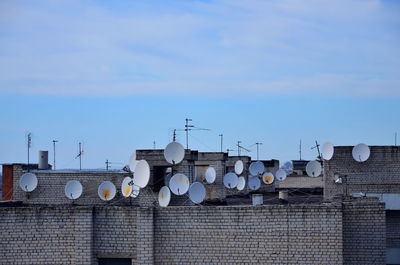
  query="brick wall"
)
[
  {"x": 364, "y": 232},
  {"x": 379, "y": 174},
  {"x": 352, "y": 232},
  {"x": 43, "y": 235},
  {"x": 273, "y": 234}
]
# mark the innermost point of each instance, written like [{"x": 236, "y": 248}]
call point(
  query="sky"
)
[{"x": 121, "y": 75}]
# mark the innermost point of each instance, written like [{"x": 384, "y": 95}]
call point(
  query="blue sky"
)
[{"x": 120, "y": 75}]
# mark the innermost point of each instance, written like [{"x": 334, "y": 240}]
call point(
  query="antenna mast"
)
[
  {"x": 190, "y": 127},
  {"x": 257, "y": 149},
  {"x": 317, "y": 146},
  {"x": 395, "y": 139},
  {"x": 54, "y": 153},
  {"x": 300, "y": 149},
  {"x": 107, "y": 164},
  {"x": 241, "y": 147},
  {"x": 222, "y": 139},
  {"x": 187, "y": 129},
  {"x": 29, "y": 146},
  {"x": 80, "y": 153}
]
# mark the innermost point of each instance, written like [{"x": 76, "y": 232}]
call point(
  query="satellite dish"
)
[
  {"x": 313, "y": 169},
  {"x": 135, "y": 191},
  {"x": 197, "y": 192},
  {"x": 28, "y": 182},
  {"x": 210, "y": 175},
  {"x": 288, "y": 167},
  {"x": 126, "y": 187},
  {"x": 241, "y": 183},
  {"x": 164, "y": 196},
  {"x": 280, "y": 174},
  {"x": 338, "y": 179},
  {"x": 327, "y": 151},
  {"x": 106, "y": 191},
  {"x": 142, "y": 174},
  {"x": 361, "y": 152},
  {"x": 239, "y": 167},
  {"x": 132, "y": 162},
  {"x": 174, "y": 153},
  {"x": 254, "y": 183},
  {"x": 253, "y": 169},
  {"x": 260, "y": 167},
  {"x": 268, "y": 178},
  {"x": 73, "y": 189},
  {"x": 179, "y": 184},
  {"x": 230, "y": 180}
]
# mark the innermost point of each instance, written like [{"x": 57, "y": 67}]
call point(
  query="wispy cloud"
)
[{"x": 347, "y": 48}]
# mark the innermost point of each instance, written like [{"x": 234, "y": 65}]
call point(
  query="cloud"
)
[{"x": 199, "y": 48}]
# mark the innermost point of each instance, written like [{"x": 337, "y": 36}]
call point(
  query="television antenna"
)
[
  {"x": 258, "y": 144},
  {"x": 54, "y": 153},
  {"x": 229, "y": 150},
  {"x": 80, "y": 153},
  {"x": 317, "y": 146},
  {"x": 241, "y": 147},
  {"x": 29, "y": 142},
  {"x": 300, "y": 149},
  {"x": 190, "y": 127},
  {"x": 222, "y": 140}
]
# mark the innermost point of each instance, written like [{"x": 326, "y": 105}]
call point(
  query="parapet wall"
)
[
  {"x": 330, "y": 233},
  {"x": 364, "y": 232},
  {"x": 235, "y": 235}
]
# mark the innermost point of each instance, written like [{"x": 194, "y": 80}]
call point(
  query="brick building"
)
[{"x": 47, "y": 228}]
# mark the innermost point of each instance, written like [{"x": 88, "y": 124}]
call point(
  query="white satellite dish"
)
[
  {"x": 313, "y": 169},
  {"x": 210, "y": 175},
  {"x": 197, "y": 192},
  {"x": 28, "y": 182},
  {"x": 254, "y": 183},
  {"x": 106, "y": 191},
  {"x": 241, "y": 183},
  {"x": 239, "y": 167},
  {"x": 132, "y": 162},
  {"x": 135, "y": 191},
  {"x": 260, "y": 167},
  {"x": 253, "y": 169},
  {"x": 126, "y": 187},
  {"x": 174, "y": 153},
  {"x": 179, "y": 184},
  {"x": 288, "y": 167},
  {"x": 164, "y": 196},
  {"x": 280, "y": 174},
  {"x": 230, "y": 180},
  {"x": 142, "y": 174},
  {"x": 327, "y": 151},
  {"x": 361, "y": 152},
  {"x": 73, "y": 189},
  {"x": 268, "y": 178}
]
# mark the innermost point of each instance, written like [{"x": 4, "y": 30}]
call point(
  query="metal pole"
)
[
  {"x": 395, "y": 139},
  {"x": 238, "y": 145},
  {"x": 258, "y": 150},
  {"x": 54, "y": 153},
  {"x": 222, "y": 137},
  {"x": 29, "y": 146},
  {"x": 80, "y": 157},
  {"x": 300, "y": 149}
]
